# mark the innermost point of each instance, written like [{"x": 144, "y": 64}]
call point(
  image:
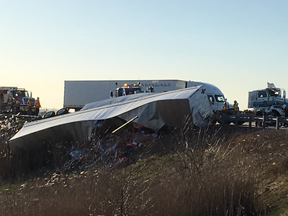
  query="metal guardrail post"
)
[
  {"x": 250, "y": 121},
  {"x": 277, "y": 122},
  {"x": 236, "y": 119},
  {"x": 264, "y": 120}
]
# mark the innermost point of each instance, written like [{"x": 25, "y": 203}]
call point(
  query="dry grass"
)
[{"x": 225, "y": 171}]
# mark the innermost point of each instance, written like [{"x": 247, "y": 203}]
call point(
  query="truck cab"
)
[
  {"x": 21, "y": 96},
  {"x": 14, "y": 100},
  {"x": 268, "y": 100},
  {"x": 216, "y": 100},
  {"x": 126, "y": 90},
  {"x": 214, "y": 94}
]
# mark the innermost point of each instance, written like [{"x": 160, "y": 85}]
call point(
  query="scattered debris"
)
[
  {"x": 107, "y": 150},
  {"x": 10, "y": 124}
]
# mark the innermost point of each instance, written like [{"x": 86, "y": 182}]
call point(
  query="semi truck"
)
[
  {"x": 269, "y": 101},
  {"x": 79, "y": 93}
]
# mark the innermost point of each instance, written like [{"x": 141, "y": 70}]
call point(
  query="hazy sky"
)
[{"x": 236, "y": 45}]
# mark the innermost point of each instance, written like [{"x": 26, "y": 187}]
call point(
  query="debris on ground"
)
[
  {"x": 10, "y": 124},
  {"x": 106, "y": 151},
  {"x": 106, "y": 147}
]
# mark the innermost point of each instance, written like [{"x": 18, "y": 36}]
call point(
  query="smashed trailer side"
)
[{"x": 153, "y": 111}]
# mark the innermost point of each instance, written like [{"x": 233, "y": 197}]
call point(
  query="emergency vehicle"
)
[{"x": 15, "y": 100}]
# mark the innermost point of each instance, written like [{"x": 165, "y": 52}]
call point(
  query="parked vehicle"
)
[
  {"x": 15, "y": 100},
  {"x": 269, "y": 101}
]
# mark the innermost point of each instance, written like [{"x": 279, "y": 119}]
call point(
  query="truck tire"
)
[
  {"x": 274, "y": 113},
  {"x": 224, "y": 123},
  {"x": 259, "y": 113},
  {"x": 62, "y": 111},
  {"x": 49, "y": 114},
  {"x": 240, "y": 122}
]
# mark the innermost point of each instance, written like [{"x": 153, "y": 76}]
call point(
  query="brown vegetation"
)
[{"x": 218, "y": 171}]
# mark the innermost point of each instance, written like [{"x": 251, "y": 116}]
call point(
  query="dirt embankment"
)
[{"x": 216, "y": 171}]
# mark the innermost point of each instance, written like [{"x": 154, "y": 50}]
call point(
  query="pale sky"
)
[{"x": 238, "y": 46}]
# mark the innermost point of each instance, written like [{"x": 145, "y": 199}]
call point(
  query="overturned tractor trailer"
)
[
  {"x": 269, "y": 101},
  {"x": 153, "y": 110},
  {"x": 79, "y": 93}
]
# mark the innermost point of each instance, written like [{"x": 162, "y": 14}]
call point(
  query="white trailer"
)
[{"x": 79, "y": 93}]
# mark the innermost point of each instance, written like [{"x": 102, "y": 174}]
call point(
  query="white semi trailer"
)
[{"x": 79, "y": 93}]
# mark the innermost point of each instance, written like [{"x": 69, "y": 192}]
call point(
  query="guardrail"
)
[
  {"x": 259, "y": 121},
  {"x": 271, "y": 121}
]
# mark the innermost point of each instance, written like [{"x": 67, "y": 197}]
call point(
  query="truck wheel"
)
[
  {"x": 259, "y": 113},
  {"x": 62, "y": 111},
  {"x": 274, "y": 113},
  {"x": 49, "y": 114},
  {"x": 241, "y": 122},
  {"x": 223, "y": 123}
]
